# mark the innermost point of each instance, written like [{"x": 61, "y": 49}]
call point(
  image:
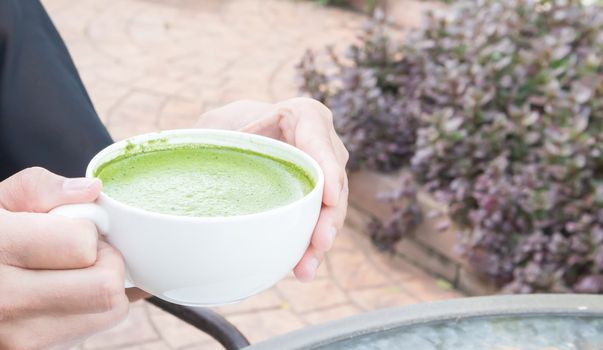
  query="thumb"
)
[{"x": 38, "y": 190}]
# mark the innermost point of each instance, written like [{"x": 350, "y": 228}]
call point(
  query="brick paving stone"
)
[
  {"x": 344, "y": 241},
  {"x": 131, "y": 116},
  {"x": 356, "y": 218},
  {"x": 332, "y": 313},
  {"x": 425, "y": 288},
  {"x": 263, "y": 325},
  {"x": 396, "y": 267},
  {"x": 268, "y": 299},
  {"x": 134, "y": 329},
  {"x": 308, "y": 296},
  {"x": 159, "y": 85},
  {"x": 119, "y": 72},
  {"x": 211, "y": 345},
  {"x": 155, "y": 345},
  {"x": 178, "y": 113},
  {"x": 393, "y": 266},
  {"x": 377, "y": 298},
  {"x": 86, "y": 61},
  {"x": 321, "y": 272},
  {"x": 105, "y": 94},
  {"x": 417, "y": 253},
  {"x": 352, "y": 270}
]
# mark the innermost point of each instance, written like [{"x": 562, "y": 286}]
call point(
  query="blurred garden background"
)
[{"x": 475, "y": 133}]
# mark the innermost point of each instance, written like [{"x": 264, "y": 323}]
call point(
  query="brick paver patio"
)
[{"x": 157, "y": 64}]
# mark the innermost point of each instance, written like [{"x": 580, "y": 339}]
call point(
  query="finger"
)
[
  {"x": 307, "y": 124},
  {"x": 326, "y": 229},
  {"x": 305, "y": 271},
  {"x": 312, "y": 136},
  {"x": 110, "y": 259},
  {"x": 38, "y": 190},
  {"x": 267, "y": 126},
  {"x": 342, "y": 153},
  {"x": 54, "y": 331},
  {"x": 43, "y": 241},
  {"x": 330, "y": 221},
  {"x": 97, "y": 289}
]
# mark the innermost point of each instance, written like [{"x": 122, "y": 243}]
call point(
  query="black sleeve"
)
[{"x": 46, "y": 116}]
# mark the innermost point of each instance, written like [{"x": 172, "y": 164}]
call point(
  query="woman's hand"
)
[
  {"x": 58, "y": 282},
  {"x": 306, "y": 124}
]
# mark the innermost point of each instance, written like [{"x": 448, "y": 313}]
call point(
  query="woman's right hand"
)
[{"x": 58, "y": 282}]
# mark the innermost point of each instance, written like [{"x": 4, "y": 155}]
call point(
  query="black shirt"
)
[{"x": 46, "y": 116}]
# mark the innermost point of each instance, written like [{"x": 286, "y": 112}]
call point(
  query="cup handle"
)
[{"x": 89, "y": 211}]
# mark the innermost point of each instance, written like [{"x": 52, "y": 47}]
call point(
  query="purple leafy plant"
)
[{"x": 497, "y": 108}]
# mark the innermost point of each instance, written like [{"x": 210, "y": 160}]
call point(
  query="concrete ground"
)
[{"x": 157, "y": 64}]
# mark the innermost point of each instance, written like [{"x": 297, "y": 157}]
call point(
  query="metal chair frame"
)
[{"x": 206, "y": 321}]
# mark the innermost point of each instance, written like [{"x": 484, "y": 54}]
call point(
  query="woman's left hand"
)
[{"x": 308, "y": 125}]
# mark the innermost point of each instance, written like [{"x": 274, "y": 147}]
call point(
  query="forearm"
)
[{"x": 46, "y": 116}]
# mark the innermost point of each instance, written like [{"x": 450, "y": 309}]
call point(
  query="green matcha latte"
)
[{"x": 203, "y": 180}]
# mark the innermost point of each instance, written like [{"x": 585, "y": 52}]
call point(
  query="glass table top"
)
[{"x": 553, "y": 332}]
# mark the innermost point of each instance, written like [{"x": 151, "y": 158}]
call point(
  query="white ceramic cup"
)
[{"x": 206, "y": 261}]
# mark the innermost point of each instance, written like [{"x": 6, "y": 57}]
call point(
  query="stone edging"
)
[{"x": 428, "y": 247}]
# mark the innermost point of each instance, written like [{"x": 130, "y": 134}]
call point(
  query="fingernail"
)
[
  {"x": 313, "y": 263},
  {"x": 79, "y": 184},
  {"x": 337, "y": 192},
  {"x": 332, "y": 233}
]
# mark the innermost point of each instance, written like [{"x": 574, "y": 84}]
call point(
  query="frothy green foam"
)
[{"x": 203, "y": 180}]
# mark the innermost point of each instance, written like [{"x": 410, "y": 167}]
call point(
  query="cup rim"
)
[{"x": 96, "y": 161}]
